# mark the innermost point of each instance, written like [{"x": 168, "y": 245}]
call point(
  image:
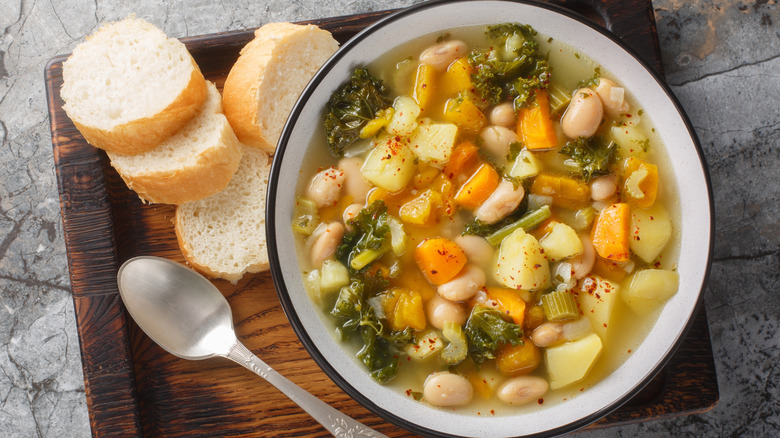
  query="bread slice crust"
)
[
  {"x": 144, "y": 132},
  {"x": 267, "y": 78},
  {"x": 223, "y": 236},
  {"x": 206, "y": 167}
]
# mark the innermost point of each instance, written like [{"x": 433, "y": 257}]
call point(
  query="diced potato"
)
[
  {"x": 570, "y": 362},
  {"x": 596, "y": 298},
  {"x": 521, "y": 263},
  {"x": 650, "y": 288},
  {"x": 311, "y": 282},
  {"x": 334, "y": 276},
  {"x": 649, "y": 232},
  {"x": 390, "y": 164},
  {"x": 433, "y": 142},
  {"x": 427, "y": 344},
  {"x": 420, "y": 210},
  {"x": 404, "y": 120},
  {"x": 526, "y": 165},
  {"x": 561, "y": 242},
  {"x": 631, "y": 141}
]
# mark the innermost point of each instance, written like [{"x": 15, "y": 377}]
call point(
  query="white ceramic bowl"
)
[{"x": 659, "y": 104}]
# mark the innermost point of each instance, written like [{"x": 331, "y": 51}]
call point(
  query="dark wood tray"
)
[{"x": 135, "y": 388}]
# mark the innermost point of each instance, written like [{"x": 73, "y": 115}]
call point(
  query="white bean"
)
[
  {"x": 576, "y": 329},
  {"x": 523, "y": 389},
  {"x": 547, "y": 334},
  {"x": 476, "y": 248},
  {"x": 497, "y": 139},
  {"x": 583, "y": 116},
  {"x": 612, "y": 96},
  {"x": 504, "y": 200},
  {"x": 447, "y": 389},
  {"x": 503, "y": 115},
  {"x": 350, "y": 212},
  {"x": 603, "y": 187},
  {"x": 465, "y": 285},
  {"x": 439, "y": 310},
  {"x": 583, "y": 263},
  {"x": 325, "y": 187},
  {"x": 355, "y": 185},
  {"x": 440, "y": 56},
  {"x": 327, "y": 239}
]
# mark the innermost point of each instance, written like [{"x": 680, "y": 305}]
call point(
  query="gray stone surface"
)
[{"x": 722, "y": 59}]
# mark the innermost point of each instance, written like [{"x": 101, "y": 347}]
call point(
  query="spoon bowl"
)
[
  {"x": 179, "y": 309},
  {"x": 184, "y": 313}
]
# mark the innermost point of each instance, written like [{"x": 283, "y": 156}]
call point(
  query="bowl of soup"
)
[{"x": 489, "y": 218}]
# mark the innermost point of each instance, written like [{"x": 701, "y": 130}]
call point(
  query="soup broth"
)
[{"x": 558, "y": 237}]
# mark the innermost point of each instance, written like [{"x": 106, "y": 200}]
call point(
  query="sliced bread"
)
[
  {"x": 194, "y": 163},
  {"x": 269, "y": 75},
  {"x": 128, "y": 87},
  {"x": 223, "y": 236}
]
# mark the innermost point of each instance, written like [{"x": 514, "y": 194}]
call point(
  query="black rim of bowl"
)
[{"x": 276, "y": 270}]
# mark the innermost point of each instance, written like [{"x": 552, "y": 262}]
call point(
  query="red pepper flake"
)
[
  {"x": 629, "y": 351},
  {"x": 540, "y": 401},
  {"x": 408, "y": 392},
  {"x": 492, "y": 412}
]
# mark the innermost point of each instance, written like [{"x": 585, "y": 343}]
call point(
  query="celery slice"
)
[
  {"x": 305, "y": 216},
  {"x": 457, "y": 349},
  {"x": 633, "y": 182},
  {"x": 397, "y": 235},
  {"x": 559, "y": 305},
  {"x": 365, "y": 258},
  {"x": 583, "y": 218},
  {"x": 527, "y": 222},
  {"x": 559, "y": 99}
]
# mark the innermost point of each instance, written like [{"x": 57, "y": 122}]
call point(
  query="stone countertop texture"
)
[{"x": 722, "y": 60}]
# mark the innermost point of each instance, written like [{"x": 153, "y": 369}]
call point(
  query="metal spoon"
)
[{"x": 187, "y": 315}]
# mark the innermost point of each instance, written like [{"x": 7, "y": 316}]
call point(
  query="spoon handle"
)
[{"x": 338, "y": 424}]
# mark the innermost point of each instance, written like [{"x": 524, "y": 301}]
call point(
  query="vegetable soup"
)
[{"x": 493, "y": 228}]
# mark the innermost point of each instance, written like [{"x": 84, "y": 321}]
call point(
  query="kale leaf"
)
[
  {"x": 370, "y": 231},
  {"x": 487, "y": 331},
  {"x": 593, "y": 155},
  {"x": 356, "y": 319},
  {"x": 512, "y": 68},
  {"x": 351, "y": 107}
]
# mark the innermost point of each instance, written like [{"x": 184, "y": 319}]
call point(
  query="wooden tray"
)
[{"x": 135, "y": 388}]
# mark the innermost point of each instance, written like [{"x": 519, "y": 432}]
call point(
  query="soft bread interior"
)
[
  {"x": 126, "y": 71},
  {"x": 184, "y": 148},
  {"x": 302, "y": 53},
  {"x": 223, "y": 235}
]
